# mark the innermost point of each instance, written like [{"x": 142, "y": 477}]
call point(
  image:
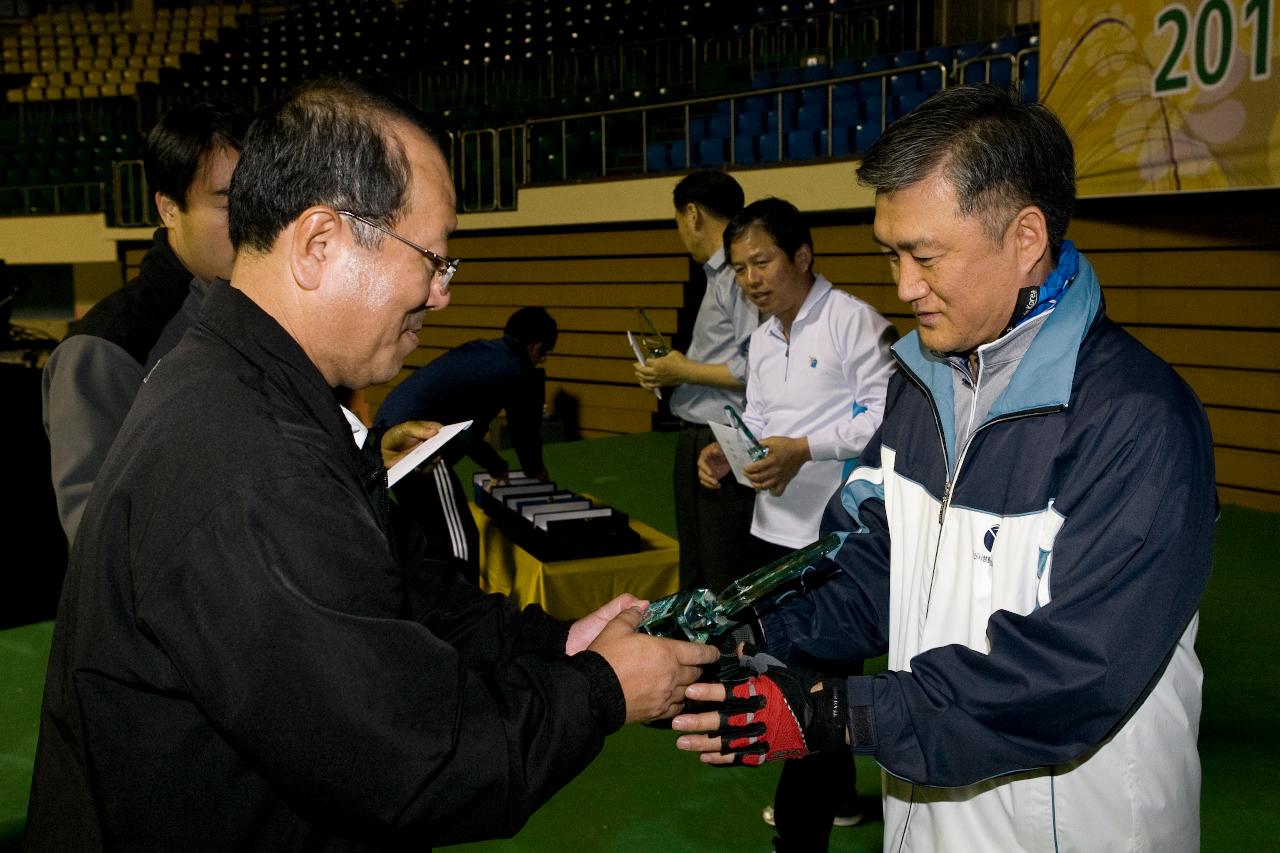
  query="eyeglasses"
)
[{"x": 444, "y": 267}]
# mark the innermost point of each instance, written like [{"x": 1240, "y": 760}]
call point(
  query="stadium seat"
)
[
  {"x": 712, "y": 152},
  {"x": 810, "y": 118},
  {"x": 864, "y": 136},
  {"x": 801, "y": 145},
  {"x": 767, "y": 146}
]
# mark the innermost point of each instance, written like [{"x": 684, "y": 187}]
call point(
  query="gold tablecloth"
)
[{"x": 568, "y": 589}]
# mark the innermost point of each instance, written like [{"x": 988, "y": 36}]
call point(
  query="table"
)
[{"x": 568, "y": 589}]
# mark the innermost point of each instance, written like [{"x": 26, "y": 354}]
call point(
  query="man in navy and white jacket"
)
[{"x": 1027, "y": 537}]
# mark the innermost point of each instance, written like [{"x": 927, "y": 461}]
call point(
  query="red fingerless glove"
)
[{"x": 777, "y": 715}]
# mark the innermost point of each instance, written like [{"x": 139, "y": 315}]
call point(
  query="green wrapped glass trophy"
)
[{"x": 699, "y": 614}]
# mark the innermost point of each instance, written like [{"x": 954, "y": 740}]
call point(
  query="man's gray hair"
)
[{"x": 998, "y": 153}]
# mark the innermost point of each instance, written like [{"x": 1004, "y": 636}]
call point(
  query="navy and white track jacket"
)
[{"x": 1038, "y": 605}]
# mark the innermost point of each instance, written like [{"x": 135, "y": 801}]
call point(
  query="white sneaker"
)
[{"x": 766, "y": 814}]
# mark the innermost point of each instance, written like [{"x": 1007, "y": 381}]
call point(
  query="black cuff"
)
[
  {"x": 607, "y": 701},
  {"x": 543, "y": 632},
  {"x": 860, "y": 691}
]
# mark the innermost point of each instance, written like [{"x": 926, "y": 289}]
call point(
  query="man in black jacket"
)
[
  {"x": 92, "y": 377},
  {"x": 251, "y": 652},
  {"x": 474, "y": 382}
]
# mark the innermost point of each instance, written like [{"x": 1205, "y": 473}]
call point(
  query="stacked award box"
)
[{"x": 553, "y": 523}]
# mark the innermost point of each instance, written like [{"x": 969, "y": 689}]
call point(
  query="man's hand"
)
[
  {"x": 497, "y": 480},
  {"x": 712, "y": 466},
  {"x": 775, "y": 471},
  {"x": 402, "y": 438},
  {"x": 584, "y": 632},
  {"x": 781, "y": 712},
  {"x": 670, "y": 369},
  {"x": 653, "y": 671}
]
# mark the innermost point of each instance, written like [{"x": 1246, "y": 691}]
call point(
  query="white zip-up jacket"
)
[
  {"x": 1037, "y": 600},
  {"x": 826, "y": 382}
]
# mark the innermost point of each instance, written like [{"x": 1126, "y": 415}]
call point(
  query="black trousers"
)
[
  {"x": 714, "y": 526},
  {"x": 436, "y": 500},
  {"x": 813, "y": 790}
]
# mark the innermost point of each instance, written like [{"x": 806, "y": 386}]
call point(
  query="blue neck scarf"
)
[{"x": 1033, "y": 302}]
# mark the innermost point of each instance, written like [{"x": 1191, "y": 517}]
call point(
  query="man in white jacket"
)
[{"x": 1027, "y": 536}]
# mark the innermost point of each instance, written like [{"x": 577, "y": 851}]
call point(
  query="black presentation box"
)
[{"x": 526, "y": 512}]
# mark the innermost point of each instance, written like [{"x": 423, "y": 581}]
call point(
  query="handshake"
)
[{"x": 767, "y": 711}]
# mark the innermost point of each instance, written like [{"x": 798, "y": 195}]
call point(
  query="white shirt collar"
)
[{"x": 359, "y": 431}]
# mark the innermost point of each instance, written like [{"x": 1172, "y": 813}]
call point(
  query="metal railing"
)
[
  {"x": 688, "y": 107},
  {"x": 43, "y": 199}
]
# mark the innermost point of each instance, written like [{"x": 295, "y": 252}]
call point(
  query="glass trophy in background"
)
[
  {"x": 755, "y": 449},
  {"x": 650, "y": 339},
  {"x": 700, "y": 614}
]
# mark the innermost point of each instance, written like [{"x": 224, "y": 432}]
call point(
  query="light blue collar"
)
[{"x": 1044, "y": 375}]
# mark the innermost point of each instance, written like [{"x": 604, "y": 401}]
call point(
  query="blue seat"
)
[
  {"x": 846, "y": 68},
  {"x": 932, "y": 79},
  {"x": 840, "y": 141},
  {"x": 771, "y": 122},
  {"x": 963, "y": 52},
  {"x": 800, "y": 145},
  {"x": 873, "y": 87},
  {"x": 938, "y": 54},
  {"x": 810, "y": 118},
  {"x": 764, "y": 80},
  {"x": 657, "y": 156},
  {"x": 788, "y": 76},
  {"x": 905, "y": 103},
  {"x": 756, "y": 104},
  {"x": 675, "y": 155},
  {"x": 767, "y": 146},
  {"x": 697, "y": 128},
  {"x": 1008, "y": 44},
  {"x": 845, "y": 114},
  {"x": 864, "y": 135},
  {"x": 873, "y": 110},
  {"x": 713, "y": 152},
  {"x": 901, "y": 84},
  {"x": 905, "y": 58},
  {"x": 814, "y": 73},
  {"x": 718, "y": 126},
  {"x": 751, "y": 123},
  {"x": 844, "y": 92},
  {"x": 813, "y": 96},
  {"x": 874, "y": 63},
  {"x": 1029, "y": 77},
  {"x": 744, "y": 150}
]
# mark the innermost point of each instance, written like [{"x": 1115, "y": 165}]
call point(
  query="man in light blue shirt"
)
[{"x": 712, "y": 526}]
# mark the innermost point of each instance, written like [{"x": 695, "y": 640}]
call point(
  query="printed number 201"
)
[{"x": 1210, "y": 63}]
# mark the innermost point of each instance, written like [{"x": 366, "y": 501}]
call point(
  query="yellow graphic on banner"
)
[{"x": 1161, "y": 96}]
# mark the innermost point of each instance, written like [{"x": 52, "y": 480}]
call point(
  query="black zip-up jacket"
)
[{"x": 250, "y": 653}]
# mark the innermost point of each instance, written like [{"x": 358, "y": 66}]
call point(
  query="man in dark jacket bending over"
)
[
  {"x": 474, "y": 382},
  {"x": 250, "y": 652}
]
